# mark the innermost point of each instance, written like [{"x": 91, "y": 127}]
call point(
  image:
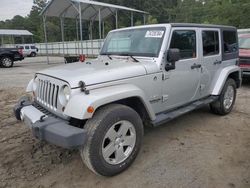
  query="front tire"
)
[
  {"x": 225, "y": 103},
  {"x": 114, "y": 140},
  {"x": 6, "y": 62}
]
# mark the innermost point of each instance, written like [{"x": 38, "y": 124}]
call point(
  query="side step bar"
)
[{"x": 165, "y": 117}]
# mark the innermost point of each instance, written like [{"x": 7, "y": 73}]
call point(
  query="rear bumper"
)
[
  {"x": 48, "y": 128},
  {"x": 245, "y": 70},
  {"x": 18, "y": 58},
  {"x": 245, "y": 65}
]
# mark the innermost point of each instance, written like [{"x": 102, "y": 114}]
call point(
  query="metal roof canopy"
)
[
  {"x": 14, "y": 32},
  {"x": 89, "y": 9},
  {"x": 84, "y": 10}
]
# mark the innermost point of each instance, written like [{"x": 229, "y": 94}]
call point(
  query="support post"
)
[
  {"x": 2, "y": 40},
  {"x": 132, "y": 19},
  {"x": 80, "y": 20},
  {"x": 116, "y": 19},
  {"x": 100, "y": 24},
  {"x": 77, "y": 37},
  {"x": 45, "y": 37},
  {"x": 62, "y": 32},
  {"x": 91, "y": 37},
  {"x": 13, "y": 40},
  {"x": 103, "y": 29},
  {"x": 144, "y": 19},
  {"x": 91, "y": 30}
]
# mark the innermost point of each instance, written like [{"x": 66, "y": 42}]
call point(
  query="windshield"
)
[
  {"x": 135, "y": 42},
  {"x": 244, "y": 43}
]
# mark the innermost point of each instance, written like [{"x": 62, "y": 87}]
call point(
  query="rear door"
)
[
  {"x": 26, "y": 50},
  {"x": 211, "y": 58}
]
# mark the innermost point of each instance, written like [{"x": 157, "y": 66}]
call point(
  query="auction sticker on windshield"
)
[{"x": 154, "y": 34}]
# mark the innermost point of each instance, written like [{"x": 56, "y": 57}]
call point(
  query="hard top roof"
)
[{"x": 201, "y": 25}]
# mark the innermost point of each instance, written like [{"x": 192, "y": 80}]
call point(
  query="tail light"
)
[{"x": 20, "y": 51}]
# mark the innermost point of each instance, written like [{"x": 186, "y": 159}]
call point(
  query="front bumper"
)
[{"x": 49, "y": 128}]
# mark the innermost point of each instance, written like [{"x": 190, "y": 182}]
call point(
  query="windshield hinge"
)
[{"x": 165, "y": 76}]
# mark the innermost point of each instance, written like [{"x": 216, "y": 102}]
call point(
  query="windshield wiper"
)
[
  {"x": 131, "y": 56},
  {"x": 134, "y": 58},
  {"x": 107, "y": 55},
  {"x": 110, "y": 57}
]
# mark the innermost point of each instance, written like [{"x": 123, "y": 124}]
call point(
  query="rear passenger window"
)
[
  {"x": 210, "y": 41},
  {"x": 230, "y": 41},
  {"x": 185, "y": 41},
  {"x": 27, "y": 47},
  {"x": 33, "y": 47}
]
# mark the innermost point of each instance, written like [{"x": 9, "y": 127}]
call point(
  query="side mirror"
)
[{"x": 173, "y": 55}]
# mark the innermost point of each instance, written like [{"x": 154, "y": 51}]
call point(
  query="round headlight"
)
[{"x": 66, "y": 92}]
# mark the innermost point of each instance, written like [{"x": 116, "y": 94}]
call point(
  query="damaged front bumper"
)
[{"x": 49, "y": 128}]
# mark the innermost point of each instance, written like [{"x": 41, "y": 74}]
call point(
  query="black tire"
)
[
  {"x": 33, "y": 54},
  {"x": 98, "y": 127},
  {"x": 218, "y": 106},
  {"x": 6, "y": 62}
]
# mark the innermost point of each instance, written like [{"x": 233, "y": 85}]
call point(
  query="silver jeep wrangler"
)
[{"x": 144, "y": 75}]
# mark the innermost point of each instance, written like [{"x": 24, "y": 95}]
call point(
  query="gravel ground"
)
[{"x": 196, "y": 150}]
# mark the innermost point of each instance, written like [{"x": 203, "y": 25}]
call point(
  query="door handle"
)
[
  {"x": 217, "y": 62},
  {"x": 196, "y": 66}
]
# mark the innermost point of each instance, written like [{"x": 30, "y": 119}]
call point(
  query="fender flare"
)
[
  {"x": 79, "y": 103},
  {"x": 29, "y": 87},
  {"x": 224, "y": 74}
]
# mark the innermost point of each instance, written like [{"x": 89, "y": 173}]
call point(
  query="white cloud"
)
[{"x": 10, "y": 8}]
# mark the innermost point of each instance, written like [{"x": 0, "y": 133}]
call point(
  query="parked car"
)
[
  {"x": 29, "y": 50},
  {"x": 9, "y": 55},
  {"x": 146, "y": 75},
  {"x": 244, "y": 45}
]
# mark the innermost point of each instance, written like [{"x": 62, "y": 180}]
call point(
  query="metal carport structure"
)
[
  {"x": 14, "y": 33},
  {"x": 85, "y": 10}
]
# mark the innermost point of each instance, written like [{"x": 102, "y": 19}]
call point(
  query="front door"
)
[{"x": 181, "y": 86}]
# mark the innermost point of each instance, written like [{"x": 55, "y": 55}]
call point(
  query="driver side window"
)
[{"x": 185, "y": 41}]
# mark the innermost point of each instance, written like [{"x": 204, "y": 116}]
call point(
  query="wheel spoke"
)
[
  {"x": 129, "y": 140},
  {"x": 120, "y": 155},
  {"x": 123, "y": 129},
  {"x": 108, "y": 151},
  {"x": 112, "y": 134}
]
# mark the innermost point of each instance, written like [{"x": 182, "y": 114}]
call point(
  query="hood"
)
[
  {"x": 96, "y": 71},
  {"x": 244, "y": 53}
]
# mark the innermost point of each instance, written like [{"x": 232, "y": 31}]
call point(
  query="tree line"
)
[{"x": 225, "y": 12}]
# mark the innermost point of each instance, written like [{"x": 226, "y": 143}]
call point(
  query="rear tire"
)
[
  {"x": 225, "y": 103},
  {"x": 33, "y": 54},
  {"x": 6, "y": 62},
  {"x": 114, "y": 140}
]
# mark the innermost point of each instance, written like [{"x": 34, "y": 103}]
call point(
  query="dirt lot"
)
[{"x": 196, "y": 150}]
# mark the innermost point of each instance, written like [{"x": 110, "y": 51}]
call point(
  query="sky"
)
[{"x": 10, "y": 8}]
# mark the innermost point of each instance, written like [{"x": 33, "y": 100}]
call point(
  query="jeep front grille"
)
[{"x": 47, "y": 94}]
